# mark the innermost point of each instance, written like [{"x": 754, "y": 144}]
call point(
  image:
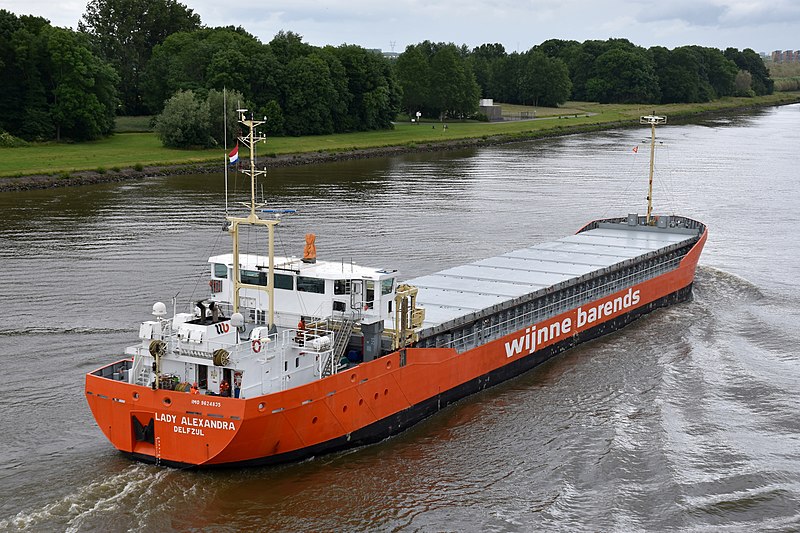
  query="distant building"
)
[
  {"x": 392, "y": 56},
  {"x": 492, "y": 112},
  {"x": 786, "y": 56}
]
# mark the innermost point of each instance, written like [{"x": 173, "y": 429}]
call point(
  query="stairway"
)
[{"x": 341, "y": 340}]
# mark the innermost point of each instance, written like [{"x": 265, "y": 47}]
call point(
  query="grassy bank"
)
[{"x": 139, "y": 150}]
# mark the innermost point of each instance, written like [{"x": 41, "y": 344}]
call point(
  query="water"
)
[{"x": 688, "y": 419}]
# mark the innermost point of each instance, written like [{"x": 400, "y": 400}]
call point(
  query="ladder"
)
[
  {"x": 341, "y": 340},
  {"x": 144, "y": 376}
]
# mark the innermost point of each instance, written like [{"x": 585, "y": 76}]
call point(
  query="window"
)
[
  {"x": 284, "y": 281},
  {"x": 386, "y": 286},
  {"x": 339, "y": 306},
  {"x": 370, "y": 299},
  {"x": 220, "y": 270},
  {"x": 253, "y": 277},
  {"x": 256, "y": 277},
  {"x": 305, "y": 284},
  {"x": 341, "y": 286}
]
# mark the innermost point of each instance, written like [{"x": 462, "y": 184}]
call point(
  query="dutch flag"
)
[{"x": 233, "y": 157}]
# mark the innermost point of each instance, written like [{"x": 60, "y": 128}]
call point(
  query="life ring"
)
[{"x": 256, "y": 345}]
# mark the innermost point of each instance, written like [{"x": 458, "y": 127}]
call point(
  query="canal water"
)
[{"x": 686, "y": 420}]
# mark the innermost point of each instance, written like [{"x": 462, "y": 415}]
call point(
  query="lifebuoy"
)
[{"x": 256, "y": 345}]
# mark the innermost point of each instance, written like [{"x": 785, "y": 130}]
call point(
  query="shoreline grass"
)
[{"x": 143, "y": 149}]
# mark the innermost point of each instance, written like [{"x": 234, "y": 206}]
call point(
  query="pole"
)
[
  {"x": 652, "y": 120},
  {"x": 225, "y": 136},
  {"x": 271, "y": 279},
  {"x": 652, "y": 159},
  {"x": 252, "y": 170}
]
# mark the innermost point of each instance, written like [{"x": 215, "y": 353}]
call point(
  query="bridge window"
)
[
  {"x": 370, "y": 300},
  {"x": 253, "y": 277},
  {"x": 306, "y": 284},
  {"x": 284, "y": 281},
  {"x": 220, "y": 270},
  {"x": 341, "y": 286},
  {"x": 386, "y": 286}
]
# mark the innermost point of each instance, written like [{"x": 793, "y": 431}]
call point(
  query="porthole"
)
[
  {"x": 385, "y": 392},
  {"x": 314, "y": 420},
  {"x": 388, "y": 365},
  {"x": 135, "y": 395},
  {"x": 167, "y": 401},
  {"x": 344, "y": 409},
  {"x": 261, "y": 406},
  {"x": 352, "y": 378},
  {"x": 376, "y": 396},
  {"x": 360, "y": 401}
]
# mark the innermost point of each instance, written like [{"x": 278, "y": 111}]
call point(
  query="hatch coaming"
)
[{"x": 468, "y": 293}]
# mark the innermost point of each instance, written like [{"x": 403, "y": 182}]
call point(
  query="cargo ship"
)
[{"x": 287, "y": 358}]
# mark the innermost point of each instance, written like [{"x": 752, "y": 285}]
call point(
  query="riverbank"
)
[{"x": 137, "y": 155}]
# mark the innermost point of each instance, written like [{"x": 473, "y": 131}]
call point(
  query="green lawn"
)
[
  {"x": 133, "y": 124},
  {"x": 124, "y": 150},
  {"x": 127, "y": 150}
]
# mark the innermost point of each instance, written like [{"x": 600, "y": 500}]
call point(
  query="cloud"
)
[
  {"x": 517, "y": 24},
  {"x": 719, "y": 13}
]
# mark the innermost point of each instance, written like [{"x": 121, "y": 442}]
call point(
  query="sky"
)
[{"x": 518, "y": 25}]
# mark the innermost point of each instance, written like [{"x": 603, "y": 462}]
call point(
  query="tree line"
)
[
  {"x": 52, "y": 85},
  {"x": 146, "y": 57},
  {"x": 617, "y": 71}
]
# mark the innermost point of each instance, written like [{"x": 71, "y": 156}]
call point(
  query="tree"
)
[
  {"x": 273, "y": 118},
  {"x": 185, "y": 123},
  {"x": 308, "y": 106},
  {"x": 191, "y": 121},
  {"x": 52, "y": 84},
  {"x": 288, "y": 46},
  {"x": 744, "y": 84},
  {"x": 543, "y": 80},
  {"x": 211, "y": 58},
  {"x": 750, "y": 61},
  {"x": 125, "y": 32},
  {"x": 622, "y": 75},
  {"x": 83, "y": 88},
  {"x": 679, "y": 76},
  {"x": 719, "y": 70},
  {"x": 413, "y": 74},
  {"x": 218, "y": 119},
  {"x": 482, "y": 60},
  {"x": 24, "y": 107},
  {"x": 437, "y": 80},
  {"x": 372, "y": 93}
]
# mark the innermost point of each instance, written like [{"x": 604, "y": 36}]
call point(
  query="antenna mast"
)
[
  {"x": 250, "y": 140},
  {"x": 652, "y": 120}
]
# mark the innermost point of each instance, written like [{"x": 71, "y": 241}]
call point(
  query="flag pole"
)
[{"x": 225, "y": 135}]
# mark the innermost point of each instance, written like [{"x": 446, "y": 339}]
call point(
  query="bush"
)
[
  {"x": 190, "y": 120},
  {"x": 184, "y": 123},
  {"x": 787, "y": 84},
  {"x": 9, "y": 141},
  {"x": 138, "y": 167}
]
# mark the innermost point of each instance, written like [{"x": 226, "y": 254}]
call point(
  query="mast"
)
[
  {"x": 250, "y": 140},
  {"x": 225, "y": 136},
  {"x": 652, "y": 120}
]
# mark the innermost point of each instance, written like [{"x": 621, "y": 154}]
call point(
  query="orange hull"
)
[{"x": 361, "y": 405}]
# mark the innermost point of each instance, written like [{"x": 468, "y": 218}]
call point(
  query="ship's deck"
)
[{"x": 462, "y": 290}]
